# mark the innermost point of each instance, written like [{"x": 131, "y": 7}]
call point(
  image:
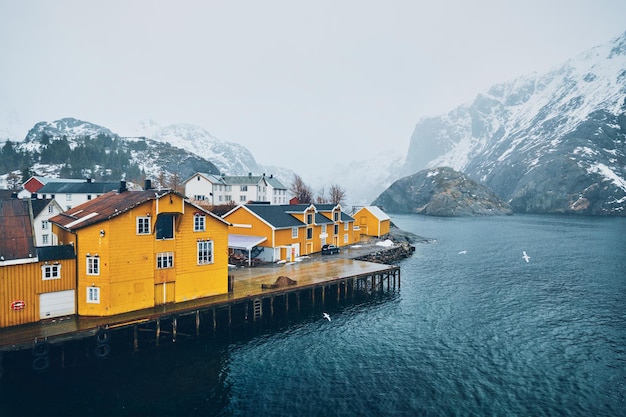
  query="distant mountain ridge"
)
[{"x": 552, "y": 143}]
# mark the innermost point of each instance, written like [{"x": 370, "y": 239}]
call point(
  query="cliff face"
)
[
  {"x": 551, "y": 143},
  {"x": 441, "y": 192}
]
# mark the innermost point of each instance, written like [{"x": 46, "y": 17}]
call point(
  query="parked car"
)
[{"x": 330, "y": 249}]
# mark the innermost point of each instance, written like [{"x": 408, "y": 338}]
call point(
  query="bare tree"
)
[
  {"x": 337, "y": 194},
  {"x": 13, "y": 181},
  {"x": 176, "y": 183},
  {"x": 301, "y": 191},
  {"x": 321, "y": 197}
]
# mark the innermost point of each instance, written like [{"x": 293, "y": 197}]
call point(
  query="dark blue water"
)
[{"x": 474, "y": 331}]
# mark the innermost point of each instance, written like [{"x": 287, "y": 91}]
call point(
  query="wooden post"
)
[
  {"x": 158, "y": 330},
  {"x": 214, "y": 320},
  {"x": 230, "y": 315},
  {"x": 313, "y": 296},
  {"x": 298, "y": 300},
  {"x": 174, "y": 326},
  {"x": 136, "y": 339},
  {"x": 272, "y": 306},
  {"x": 197, "y": 322},
  {"x": 286, "y": 302},
  {"x": 323, "y": 294}
]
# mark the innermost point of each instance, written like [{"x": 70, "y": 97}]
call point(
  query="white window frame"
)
[
  {"x": 205, "y": 252},
  {"x": 199, "y": 223},
  {"x": 93, "y": 295},
  {"x": 143, "y": 225},
  {"x": 93, "y": 265},
  {"x": 44, "y": 225},
  {"x": 49, "y": 272},
  {"x": 294, "y": 232},
  {"x": 165, "y": 260},
  {"x": 346, "y": 226},
  {"x": 345, "y": 238},
  {"x": 45, "y": 239}
]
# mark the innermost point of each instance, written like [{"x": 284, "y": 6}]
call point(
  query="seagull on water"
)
[
  {"x": 463, "y": 252},
  {"x": 326, "y": 316},
  {"x": 525, "y": 256}
]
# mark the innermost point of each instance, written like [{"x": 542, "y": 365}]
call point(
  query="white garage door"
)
[{"x": 55, "y": 304}]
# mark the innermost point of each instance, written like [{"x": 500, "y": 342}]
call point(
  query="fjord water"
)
[{"x": 473, "y": 331}]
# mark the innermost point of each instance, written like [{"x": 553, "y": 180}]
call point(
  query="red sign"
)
[{"x": 18, "y": 305}]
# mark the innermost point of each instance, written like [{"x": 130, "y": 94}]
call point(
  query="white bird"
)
[
  {"x": 525, "y": 256},
  {"x": 463, "y": 252},
  {"x": 326, "y": 316}
]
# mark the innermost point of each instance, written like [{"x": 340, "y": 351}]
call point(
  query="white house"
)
[
  {"x": 231, "y": 189},
  {"x": 43, "y": 210},
  {"x": 70, "y": 194}
]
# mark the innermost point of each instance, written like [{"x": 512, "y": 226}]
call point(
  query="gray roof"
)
[
  {"x": 78, "y": 187},
  {"x": 275, "y": 183},
  {"x": 275, "y": 215}
]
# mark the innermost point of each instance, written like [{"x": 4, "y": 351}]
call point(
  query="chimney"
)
[
  {"x": 249, "y": 174},
  {"x": 89, "y": 180},
  {"x": 123, "y": 186},
  {"x": 147, "y": 184}
]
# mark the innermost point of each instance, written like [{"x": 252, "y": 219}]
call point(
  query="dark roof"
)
[
  {"x": 275, "y": 215},
  {"x": 39, "y": 205},
  {"x": 103, "y": 208},
  {"x": 110, "y": 205},
  {"x": 321, "y": 219},
  {"x": 6, "y": 194},
  {"x": 16, "y": 230},
  {"x": 55, "y": 253},
  {"x": 78, "y": 187},
  {"x": 346, "y": 217}
]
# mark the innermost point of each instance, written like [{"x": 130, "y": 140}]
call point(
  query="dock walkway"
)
[{"x": 247, "y": 286}]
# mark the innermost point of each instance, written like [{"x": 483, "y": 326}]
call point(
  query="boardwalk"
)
[{"x": 247, "y": 286}]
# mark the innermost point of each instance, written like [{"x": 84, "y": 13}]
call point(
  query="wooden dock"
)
[{"x": 251, "y": 295}]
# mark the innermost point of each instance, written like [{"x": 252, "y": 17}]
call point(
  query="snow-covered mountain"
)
[
  {"x": 230, "y": 158},
  {"x": 545, "y": 143},
  {"x": 52, "y": 141}
]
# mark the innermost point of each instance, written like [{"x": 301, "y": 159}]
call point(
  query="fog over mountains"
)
[{"x": 544, "y": 143}]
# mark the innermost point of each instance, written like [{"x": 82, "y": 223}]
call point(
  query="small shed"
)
[{"x": 372, "y": 221}]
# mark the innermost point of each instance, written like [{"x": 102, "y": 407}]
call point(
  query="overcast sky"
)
[{"x": 309, "y": 81}]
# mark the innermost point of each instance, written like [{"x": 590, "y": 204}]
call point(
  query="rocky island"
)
[{"x": 441, "y": 192}]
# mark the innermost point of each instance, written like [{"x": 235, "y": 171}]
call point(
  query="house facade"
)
[
  {"x": 292, "y": 230},
  {"x": 35, "y": 282},
  {"x": 139, "y": 249},
  {"x": 229, "y": 189},
  {"x": 43, "y": 210},
  {"x": 372, "y": 221}
]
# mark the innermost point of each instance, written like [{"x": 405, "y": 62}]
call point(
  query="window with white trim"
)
[
  {"x": 199, "y": 223},
  {"x": 323, "y": 228},
  {"x": 143, "y": 225},
  {"x": 294, "y": 232},
  {"x": 205, "y": 252},
  {"x": 345, "y": 238},
  {"x": 44, "y": 225},
  {"x": 309, "y": 233},
  {"x": 336, "y": 216},
  {"x": 45, "y": 239},
  {"x": 93, "y": 265},
  {"x": 165, "y": 260},
  {"x": 50, "y": 272},
  {"x": 346, "y": 226},
  {"x": 165, "y": 226},
  {"x": 93, "y": 295}
]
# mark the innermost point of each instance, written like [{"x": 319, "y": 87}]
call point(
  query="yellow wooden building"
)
[
  {"x": 35, "y": 282},
  {"x": 138, "y": 249},
  {"x": 372, "y": 221},
  {"x": 284, "y": 232}
]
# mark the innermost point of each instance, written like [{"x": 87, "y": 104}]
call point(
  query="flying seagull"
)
[
  {"x": 525, "y": 256},
  {"x": 326, "y": 316}
]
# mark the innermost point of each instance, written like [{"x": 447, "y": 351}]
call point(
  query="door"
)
[
  {"x": 164, "y": 293},
  {"x": 56, "y": 304}
]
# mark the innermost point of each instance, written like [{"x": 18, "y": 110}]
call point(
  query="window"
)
[
  {"x": 228, "y": 197},
  {"x": 242, "y": 198},
  {"x": 165, "y": 260},
  {"x": 44, "y": 225},
  {"x": 243, "y": 188},
  {"x": 294, "y": 232},
  {"x": 309, "y": 218},
  {"x": 336, "y": 229},
  {"x": 143, "y": 225},
  {"x": 309, "y": 233},
  {"x": 199, "y": 223},
  {"x": 44, "y": 239},
  {"x": 346, "y": 226},
  {"x": 345, "y": 238},
  {"x": 50, "y": 209},
  {"x": 88, "y": 196},
  {"x": 205, "y": 252},
  {"x": 93, "y": 265},
  {"x": 165, "y": 226},
  {"x": 336, "y": 216},
  {"x": 51, "y": 272},
  {"x": 93, "y": 295}
]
